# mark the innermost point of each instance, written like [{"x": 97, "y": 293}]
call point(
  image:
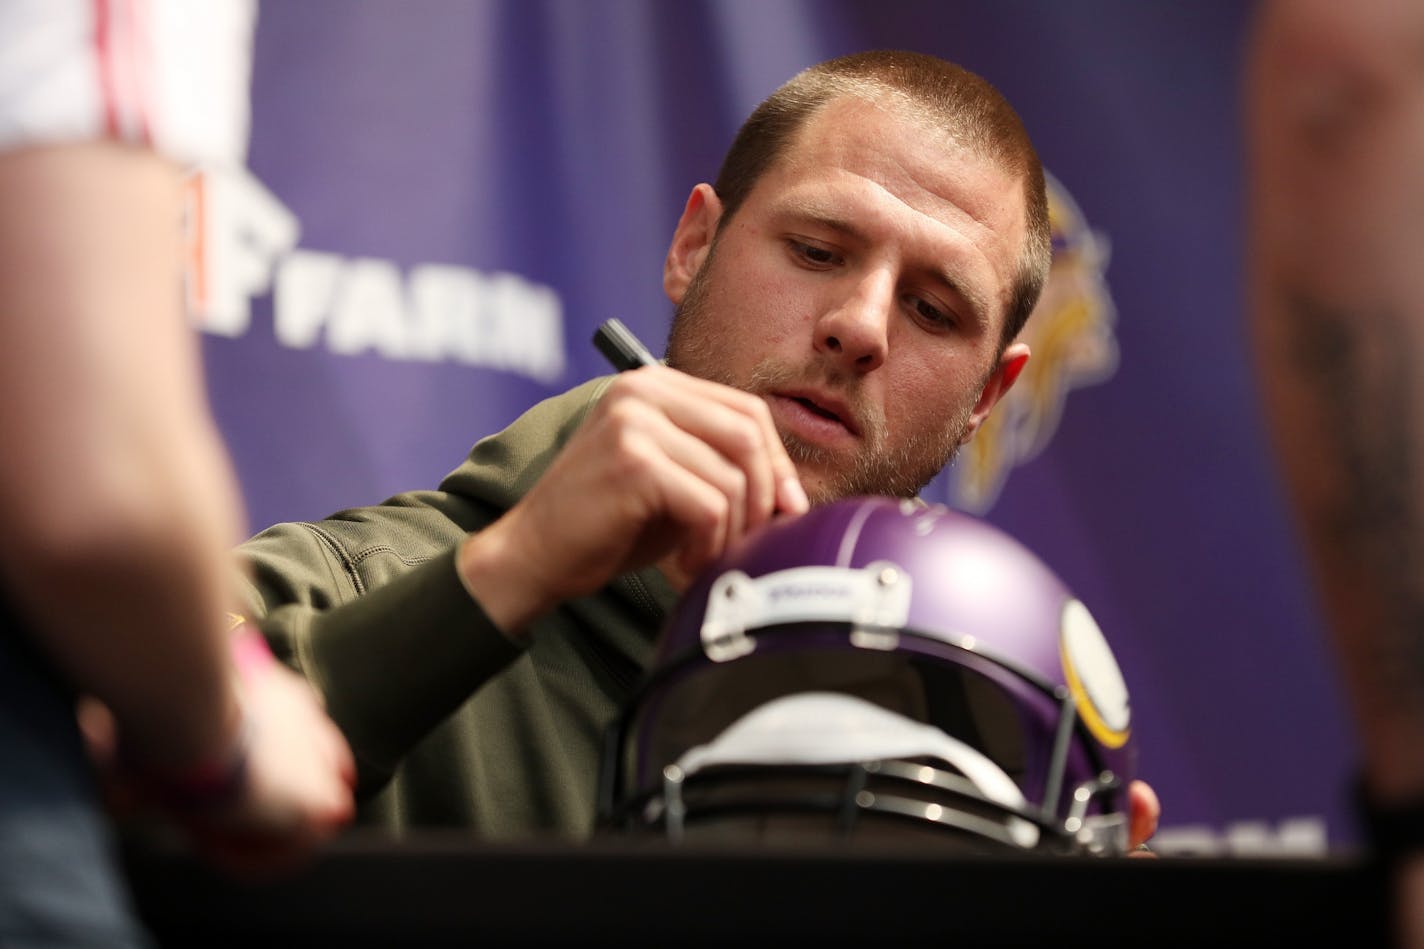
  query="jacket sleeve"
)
[
  {"x": 368, "y": 607},
  {"x": 367, "y": 604}
]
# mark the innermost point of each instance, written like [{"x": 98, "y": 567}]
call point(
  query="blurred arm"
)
[
  {"x": 1336, "y": 119},
  {"x": 116, "y": 493},
  {"x": 1336, "y": 124}
]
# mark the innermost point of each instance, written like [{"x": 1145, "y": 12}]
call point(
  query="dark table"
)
[{"x": 445, "y": 890}]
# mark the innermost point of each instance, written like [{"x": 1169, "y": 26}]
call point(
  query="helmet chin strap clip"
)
[
  {"x": 674, "y": 810},
  {"x": 1098, "y": 834},
  {"x": 874, "y": 600}
]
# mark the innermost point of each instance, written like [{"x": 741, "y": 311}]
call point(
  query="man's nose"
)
[{"x": 855, "y": 331}]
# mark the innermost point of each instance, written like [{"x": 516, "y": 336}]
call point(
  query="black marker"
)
[{"x": 621, "y": 347}]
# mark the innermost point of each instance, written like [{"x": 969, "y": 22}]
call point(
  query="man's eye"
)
[
  {"x": 819, "y": 256},
  {"x": 930, "y": 313}
]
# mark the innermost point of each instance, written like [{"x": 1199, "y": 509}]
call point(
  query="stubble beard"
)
[{"x": 695, "y": 347}]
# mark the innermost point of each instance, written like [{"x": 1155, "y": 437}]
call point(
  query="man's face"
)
[{"x": 861, "y": 290}]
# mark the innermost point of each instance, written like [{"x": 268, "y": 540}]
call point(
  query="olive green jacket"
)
[{"x": 451, "y": 723}]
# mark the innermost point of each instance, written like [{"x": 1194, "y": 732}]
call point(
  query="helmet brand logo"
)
[{"x": 876, "y": 595}]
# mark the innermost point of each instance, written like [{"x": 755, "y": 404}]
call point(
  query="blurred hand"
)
[
  {"x": 297, "y": 784},
  {"x": 299, "y": 780},
  {"x": 120, "y": 792}
]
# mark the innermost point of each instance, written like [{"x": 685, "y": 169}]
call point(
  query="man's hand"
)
[
  {"x": 665, "y": 464},
  {"x": 1144, "y": 811}
]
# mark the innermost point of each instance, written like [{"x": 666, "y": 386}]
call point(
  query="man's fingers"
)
[
  {"x": 664, "y": 464},
  {"x": 735, "y": 424},
  {"x": 1144, "y": 811},
  {"x": 734, "y": 511},
  {"x": 691, "y": 483},
  {"x": 787, "y": 495}
]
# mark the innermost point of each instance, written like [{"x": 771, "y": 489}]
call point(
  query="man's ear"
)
[
  {"x": 691, "y": 241},
  {"x": 1001, "y": 380}
]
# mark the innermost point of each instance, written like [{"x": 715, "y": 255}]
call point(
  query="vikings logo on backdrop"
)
[{"x": 1071, "y": 335}]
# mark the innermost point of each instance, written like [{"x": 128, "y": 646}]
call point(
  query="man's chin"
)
[
  {"x": 817, "y": 492},
  {"x": 822, "y": 487},
  {"x": 822, "y": 472},
  {"x": 829, "y": 482}
]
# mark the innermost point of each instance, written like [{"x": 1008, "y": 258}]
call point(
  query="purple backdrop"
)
[{"x": 447, "y": 196}]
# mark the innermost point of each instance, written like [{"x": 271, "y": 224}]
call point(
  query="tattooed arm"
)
[{"x": 1335, "y": 100}]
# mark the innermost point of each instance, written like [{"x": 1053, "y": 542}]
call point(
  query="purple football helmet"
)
[{"x": 873, "y": 668}]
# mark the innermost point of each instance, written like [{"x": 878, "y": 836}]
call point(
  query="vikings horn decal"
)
[
  {"x": 1093, "y": 676},
  {"x": 1071, "y": 336}
]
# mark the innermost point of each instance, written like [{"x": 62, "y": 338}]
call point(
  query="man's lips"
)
[{"x": 818, "y": 411}]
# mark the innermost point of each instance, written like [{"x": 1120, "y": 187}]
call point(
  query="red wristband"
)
[{"x": 207, "y": 785}]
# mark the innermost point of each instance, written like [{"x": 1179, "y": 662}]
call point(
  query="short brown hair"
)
[{"x": 976, "y": 114}]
